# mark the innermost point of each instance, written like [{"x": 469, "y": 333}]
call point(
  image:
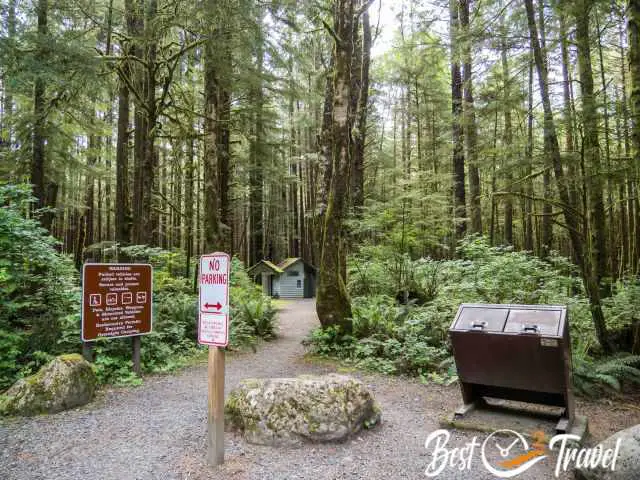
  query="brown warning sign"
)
[{"x": 116, "y": 300}]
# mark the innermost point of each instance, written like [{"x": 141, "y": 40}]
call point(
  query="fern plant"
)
[{"x": 593, "y": 377}]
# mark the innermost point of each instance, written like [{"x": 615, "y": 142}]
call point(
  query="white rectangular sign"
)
[{"x": 213, "y": 327}]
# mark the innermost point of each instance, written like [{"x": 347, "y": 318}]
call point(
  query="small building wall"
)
[
  {"x": 266, "y": 280},
  {"x": 290, "y": 284}
]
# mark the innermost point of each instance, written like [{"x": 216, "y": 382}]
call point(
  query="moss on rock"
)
[
  {"x": 289, "y": 411},
  {"x": 66, "y": 382}
]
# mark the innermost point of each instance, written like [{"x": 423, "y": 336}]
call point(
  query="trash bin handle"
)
[
  {"x": 479, "y": 325},
  {"x": 527, "y": 328}
]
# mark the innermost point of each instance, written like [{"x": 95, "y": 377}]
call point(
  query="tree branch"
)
[{"x": 331, "y": 32}]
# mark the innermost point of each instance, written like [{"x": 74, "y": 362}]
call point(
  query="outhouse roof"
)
[
  {"x": 266, "y": 265},
  {"x": 287, "y": 262}
]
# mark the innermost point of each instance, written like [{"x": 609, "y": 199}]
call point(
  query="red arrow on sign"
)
[{"x": 215, "y": 305}]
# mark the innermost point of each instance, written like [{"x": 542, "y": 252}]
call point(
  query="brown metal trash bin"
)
[{"x": 514, "y": 352}]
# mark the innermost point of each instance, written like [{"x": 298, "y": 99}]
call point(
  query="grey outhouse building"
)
[{"x": 291, "y": 278}]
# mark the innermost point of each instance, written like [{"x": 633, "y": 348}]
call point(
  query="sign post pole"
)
[
  {"x": 87, "y": 351},
  {"x": 213, "y": 330},
  {"x": 135, "y": 354},
  {"x": 215, "y": 424}
]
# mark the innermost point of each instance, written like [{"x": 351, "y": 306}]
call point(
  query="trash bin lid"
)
[
  {"x": 481, "y": 318},
  {"x": 541, "y": 322}
]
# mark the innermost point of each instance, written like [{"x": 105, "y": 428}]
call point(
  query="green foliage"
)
[
  {"x": 386, "y": 338},
  {"x": 37, "y": 287},
  {"x": 594, "y": 377},
  {"x": 40, "y": 304},
  {"x": 413, "y": 338}
]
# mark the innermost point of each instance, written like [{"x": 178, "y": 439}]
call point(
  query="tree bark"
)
[
  {"x": 212, "y": 237},
  {"x": 357, "y": 184},
  {"x": 38, "y": 159},
  {"x": 224, "y": 136},
  {"x": 633, "y": 27},
  {"x": 547, "y": 225},
  {"x": 333, "y": 304},
  {"x": 470, "y": 127},
  {"x": 256, "y": 154},
  {"x": 459, "y": 201},
  {"x": 508, "y": 142},
  {"x": 590, "y": 145},
  {"x": 6, "y": 130},
  {"x": 571, "y": 220},
  {"x": 629, "y": 165},
  {"x": 528, "y": 186},
  {"x": 149, "y": 219},
  {"x": 122, "y": 202}
]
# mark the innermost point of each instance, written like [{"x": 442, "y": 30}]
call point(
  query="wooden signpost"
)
[
  {"x": 117, "y": 302},
  {"x": 213, "y": 330}
]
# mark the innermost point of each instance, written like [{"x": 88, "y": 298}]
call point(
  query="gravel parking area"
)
[{"x": 157, "y": 431}]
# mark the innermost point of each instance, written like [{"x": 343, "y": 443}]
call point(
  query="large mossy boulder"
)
[
  {"x": 67, "y": 381},
  {"x": 290, "y": 411},
  {"x": 627, "y": 465}
]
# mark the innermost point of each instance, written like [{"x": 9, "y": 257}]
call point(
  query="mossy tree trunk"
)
[{"x": 333, "y": 305}]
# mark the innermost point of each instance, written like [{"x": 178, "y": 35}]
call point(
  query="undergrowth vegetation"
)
[
  {"x": 402, "y": 310},
  {"x": 40, "y": 304}
]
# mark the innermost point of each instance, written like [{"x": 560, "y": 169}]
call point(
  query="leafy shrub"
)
[
  {"x": 40, "y": 303},
  {"x": 594, "y": 377},
  {"x": 413, "y": 338},
  {"x": 38, "y": 286}
]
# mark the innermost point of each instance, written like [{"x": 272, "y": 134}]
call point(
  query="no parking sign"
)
[{"x": 213, "y": 327}]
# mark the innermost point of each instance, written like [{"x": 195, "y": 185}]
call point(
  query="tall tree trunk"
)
[
  {"x": 569, "y": 213},
  {"x": 6, "y": 131},
  {"x": 149, "y": 220},
  {"x": 459, "y": 202},
  {"x": 224, "y": 136},
  {"x": 108, "y": 195},
  {"x": 212, "y": 237},
  {"x": 508, "y": 142},
  {"x": 567, "y": 116},
  {"x": 357, "y": 183},
  {"x": 629, "y": 166},
  {"x": 333, "y": 305},
  {"x": 527, "y": 222},
  {"x": 256, "y": 162},
  {"x": 38, "y": 159},
  {"x": 122, "y": 204},
  {"x": 135, "y": 29},
  {"x": 547, "y": 225},
  {"x": 612, "y": 240},
  {"x": 634, "y": 72},
  {"x": 590, "y": 146},
  {"x": 470, "y": 127}
]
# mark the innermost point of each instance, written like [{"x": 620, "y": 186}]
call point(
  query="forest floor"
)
[{"x": 157, "y": 430}]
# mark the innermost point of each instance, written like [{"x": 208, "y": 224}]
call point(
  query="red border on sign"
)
[{"x": 200, "y": 312}]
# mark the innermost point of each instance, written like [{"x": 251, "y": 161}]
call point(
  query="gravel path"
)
[{"x": 157, "y": 431}]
